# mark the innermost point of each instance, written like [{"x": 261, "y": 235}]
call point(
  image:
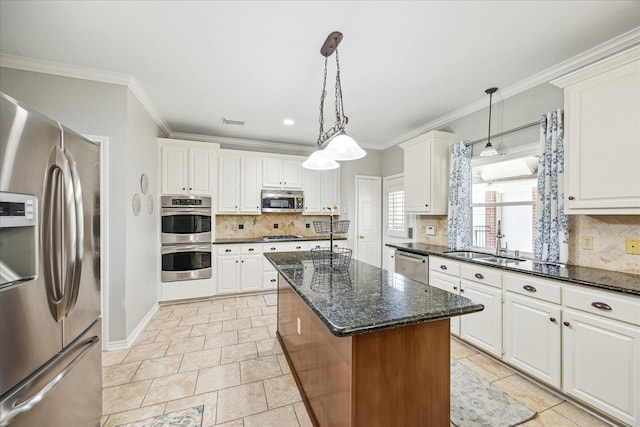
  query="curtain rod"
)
[{"x": 506, "y": 132}]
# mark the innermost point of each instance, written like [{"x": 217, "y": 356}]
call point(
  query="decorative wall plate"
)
[
  {"x": 136, "y": 204},
  {"x": 144, "y": 183},
  {"x": 150, "y": 204}
]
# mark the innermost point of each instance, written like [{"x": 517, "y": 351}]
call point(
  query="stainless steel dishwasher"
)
[{"x": 414, "y": 266}]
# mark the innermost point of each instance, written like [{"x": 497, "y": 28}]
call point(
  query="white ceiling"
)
[{"x": 403, "y": 64}]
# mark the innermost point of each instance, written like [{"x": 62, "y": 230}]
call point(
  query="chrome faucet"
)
[{"x": 499, "y": 236}]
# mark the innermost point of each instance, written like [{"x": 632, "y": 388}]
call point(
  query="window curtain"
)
[
  {"x": 459, "y": 221},
  {"x": 552, "y": 231}
]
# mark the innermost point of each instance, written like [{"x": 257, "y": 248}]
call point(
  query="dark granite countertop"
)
[
  {"x": 366, "y": 298},
  {"x": 604, "y": 279},
  {"x": 234, "y": 240}
]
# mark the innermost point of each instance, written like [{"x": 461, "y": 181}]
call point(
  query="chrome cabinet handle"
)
[
  {"x": 601, "y": 306},
  {"x": 479, "y": 276},
  {"x": 566, "y": 323},
  {"x": 530, "y": 288},
  {"x": 251, "y": 249},
  {"x": 552, "y": 319}
]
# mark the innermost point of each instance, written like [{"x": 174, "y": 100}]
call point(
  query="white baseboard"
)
[{"x": 125, "y": 344}]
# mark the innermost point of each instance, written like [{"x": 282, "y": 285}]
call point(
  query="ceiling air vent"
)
[{"x": 233, "y": 122}]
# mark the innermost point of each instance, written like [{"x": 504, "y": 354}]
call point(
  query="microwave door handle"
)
[
  {"x": 76, "y": 231},
  {"x": 57, "y": 171}
]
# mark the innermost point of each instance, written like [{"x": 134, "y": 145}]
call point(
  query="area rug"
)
[
  {"x": 190, "y": 417},
  {"x": 476, "y": 402},
  {"x": 271, "y": 299}
]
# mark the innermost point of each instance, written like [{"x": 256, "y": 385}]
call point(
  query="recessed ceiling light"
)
[{"x": 289, "y": 122}]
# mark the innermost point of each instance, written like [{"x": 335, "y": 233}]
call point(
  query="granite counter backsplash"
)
[
  {"x": 366, "y": 298},
  {"x": 605, "y": 279}
]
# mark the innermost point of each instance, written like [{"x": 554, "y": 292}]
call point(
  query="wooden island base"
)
[{"x": 390, "y": 377}]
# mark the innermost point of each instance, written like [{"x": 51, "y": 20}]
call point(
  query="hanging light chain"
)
[
  {"x": 322, "y": 96},
  {"x": 341, "y": 119}
]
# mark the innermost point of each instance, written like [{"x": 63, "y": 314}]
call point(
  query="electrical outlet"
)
[
  {"x": 430, "y": 230},
  {"x": 633, "y": 246},
  {"x": 587, "y": 243},
  {"x": 298, "y": 325}
]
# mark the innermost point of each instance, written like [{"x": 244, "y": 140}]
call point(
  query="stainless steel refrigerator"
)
[{"x": 50, "y": 326}]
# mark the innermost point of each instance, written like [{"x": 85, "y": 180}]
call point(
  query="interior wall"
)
[
  {"x": 142, "y": 239},
  {"x": 102, "y": 109}
]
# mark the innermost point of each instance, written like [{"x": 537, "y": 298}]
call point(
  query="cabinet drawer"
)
[
  {"x": 532, "y": 287},
  {"x": 488, "y": 276},
  {"x": 272, "y": 247},
  {"x": 444, "y": 265},
  {"x": 251, "y": 249},
  {"x": 625, "y": 309},
  {"x": 228, "y": 250},
  {"x": 295, "y": 246},
  {"x": 270, "y": 280},
  {"x": 445, "y": 282}
]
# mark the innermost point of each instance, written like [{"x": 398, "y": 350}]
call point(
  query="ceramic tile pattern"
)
[
  {"x": 227, "y": 226},
  {"x": 242, "y": 378}
]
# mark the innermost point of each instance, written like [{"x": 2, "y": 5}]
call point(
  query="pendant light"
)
[
  {"x": 489, "y": 150},
  {"x": 339, "y": 145}
]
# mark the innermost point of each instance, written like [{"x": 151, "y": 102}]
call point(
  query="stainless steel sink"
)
[{"x": 469, "y": 254}]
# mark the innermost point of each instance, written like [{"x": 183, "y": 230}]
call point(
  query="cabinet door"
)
[
  {"x": 417, "y": 177},
  {"x": 449, "y": 284},
  {"x": 228, "y": 274},
  {"x": 483, "y": 328},
  {"x": 532, "y": 337},
  {"x": 250, "y": 185},
  {"x": 330, "y": 191},
  {"x": 251, "y": 273},
  {"x": 272, "y": 173},
  {"x": 311, "y": 190},
  {"x": 200, "y": 171},
  {"x": 229, "y": 184},
  {"x": 601, "y": 364},
  {"x": 605, "y": 107},
  {"x": 291, "y": 174},
  {"x": 175, "y": 162}
]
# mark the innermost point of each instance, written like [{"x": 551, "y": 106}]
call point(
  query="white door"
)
[{"x": 368, "y": 235}]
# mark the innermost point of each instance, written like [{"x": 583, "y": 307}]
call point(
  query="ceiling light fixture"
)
[
  {"x": 489, "y": 150},
  {"x": 289, "y": 122},
  {"x": 339, "y": 145}
]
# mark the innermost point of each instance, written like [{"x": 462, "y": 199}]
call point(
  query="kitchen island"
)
[{"x": 367, "y": 347}]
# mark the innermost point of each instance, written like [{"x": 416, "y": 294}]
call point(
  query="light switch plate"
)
[
  {"x": 633, "y": 246},
  {"x": 430, "y": 230},
  {"x": 587, "y": 243}
]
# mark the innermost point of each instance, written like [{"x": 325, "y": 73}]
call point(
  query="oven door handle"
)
[
  {"x": 170, "y": 249},
  {"x": 186, "y": 211}
]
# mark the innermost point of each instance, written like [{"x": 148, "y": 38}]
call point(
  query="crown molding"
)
[
  {"x": 608, "y": 48},
  {"x": 85, "y": 73},
  {"x": 243, "y": 144}
]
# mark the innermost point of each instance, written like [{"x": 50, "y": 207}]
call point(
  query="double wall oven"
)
[{"x": 186, "y": 238}]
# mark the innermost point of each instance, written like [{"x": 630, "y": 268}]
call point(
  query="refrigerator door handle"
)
[
  {"x": 75, "y": 258},
  {"x": 14, "y": 405},
  {"x": 57, "y": 175}
]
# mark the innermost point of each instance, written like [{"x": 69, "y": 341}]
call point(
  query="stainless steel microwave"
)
[{"x": 282, "y": 201}]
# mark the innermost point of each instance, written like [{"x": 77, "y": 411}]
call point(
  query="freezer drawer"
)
[{"x": 73, "y": 401}]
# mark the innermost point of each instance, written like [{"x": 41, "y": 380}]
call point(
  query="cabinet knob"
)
[
  {"x": 361, "y": 236},
  {"x": 566, "y": 323},
  {"x": 236, "y": 207},
  {"x": 273, "y": 280},
  {"x": 251, "y": 249},
  {"x": 426, "y": 205},
  {"x": 571, "y": 198},
  {"x": 479, "y": 276},
  {"x": 236, "y": 261},
  {"x": 530, "y": 288},
  {"x": 227, "y": 250},
  {"x": 273, "y": 248},
  {"x": 443, "y": 267},
  {"x": 455, "y": 288},
  {"x": 552, "y": 319},
  {"x": 461, "y": 290},
  {"x": 298, "y": 247},
  {"x": 183, "y": 188},
  {"x": 190, "y": 188}
]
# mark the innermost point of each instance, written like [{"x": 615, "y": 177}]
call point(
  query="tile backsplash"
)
[
  {"x": 609, "y": 233},
  {"x": 228, "y": 226}
]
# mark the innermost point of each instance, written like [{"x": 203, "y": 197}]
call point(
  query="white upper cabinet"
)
[
  {"x": 602, "y": 136},
  {"x": 426, "y": 173},
  {"x": 279, "y": 173},
  {"x": 321, "y": 191},
  {"x": 187, "y": 167},
  {"x": 239, "y": 184}
]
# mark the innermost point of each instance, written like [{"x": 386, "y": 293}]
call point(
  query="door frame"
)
[{"x": 379, "y": 228}]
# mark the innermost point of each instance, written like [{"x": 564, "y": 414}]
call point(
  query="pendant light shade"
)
[
  {"x": 339, "y": 146},
  {"x": 343, "y": 147},
  {"x": 319, "y": 161},
  {"x": 489, "y": 150}
]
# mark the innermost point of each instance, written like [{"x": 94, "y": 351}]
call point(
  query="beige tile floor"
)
[{"x": 223, "y": 354}]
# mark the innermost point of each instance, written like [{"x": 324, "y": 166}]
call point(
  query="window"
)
[
  {"x": 504, "y": 192},
  {"x": 395, "y": 218}
]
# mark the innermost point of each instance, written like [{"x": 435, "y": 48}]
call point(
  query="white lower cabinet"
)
[
  {"x": 449, "y": 284},
  {"x": 484, "y": 328},
  {"x": 532, "y": 337},
  {"x": 239, "y": 268}
]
